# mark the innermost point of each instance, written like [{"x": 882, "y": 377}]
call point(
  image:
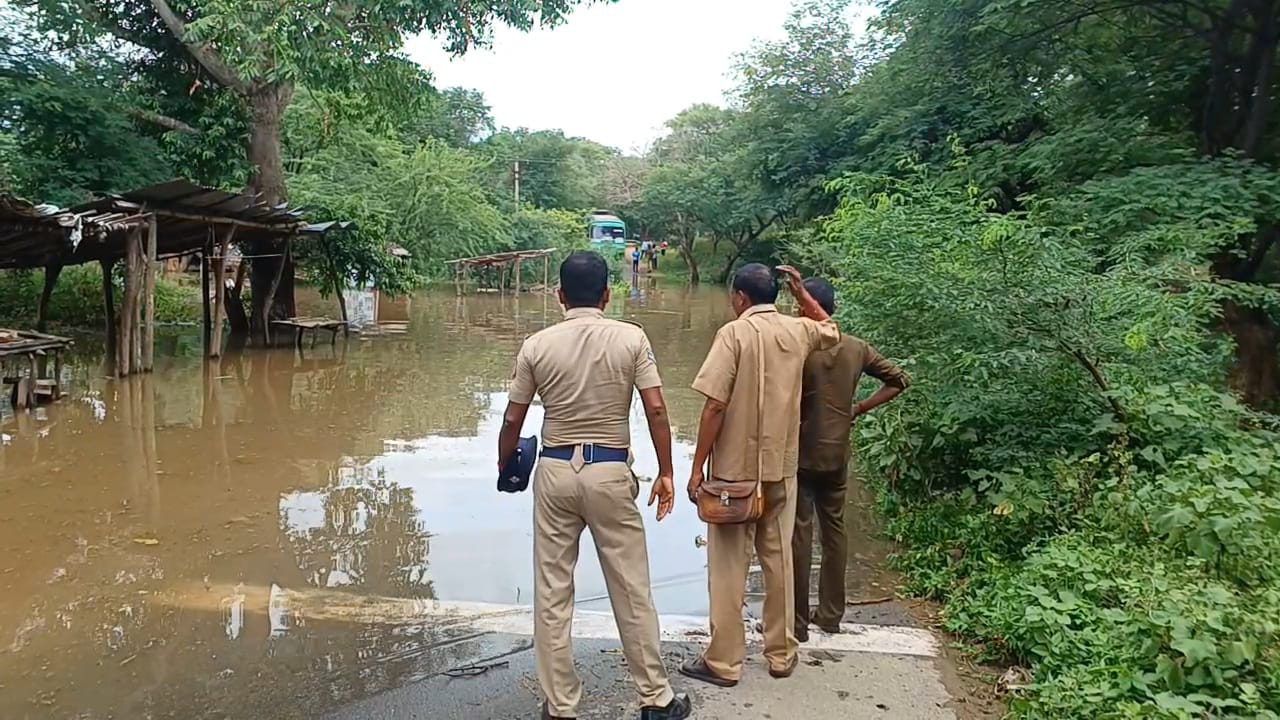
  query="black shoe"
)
[
  {"x": 679, "y": 708},
  {"x": 698, "y": 670},
  {"x": 802, "y": 634},
  {"x": 546, "y": 714},
  {"x": 787, "y": 671}
]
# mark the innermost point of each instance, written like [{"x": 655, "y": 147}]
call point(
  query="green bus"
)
[{"x": 605, "y": 228}]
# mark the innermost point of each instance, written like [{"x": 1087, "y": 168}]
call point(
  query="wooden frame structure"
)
[
  {"x": 503, "y": 262},
  {"x": 34, "y": 349},
  {"x": 143, "y": 227}
]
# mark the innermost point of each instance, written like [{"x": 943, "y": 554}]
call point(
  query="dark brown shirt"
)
[{"x": 826, "y": 403}]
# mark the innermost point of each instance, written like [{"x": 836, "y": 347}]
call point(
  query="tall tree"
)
[
  {"x": 556, "y": 171},
  {"x": 260, "y": 51}
]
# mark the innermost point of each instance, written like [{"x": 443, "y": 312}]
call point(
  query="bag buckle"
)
[{"x": 724, "y": 498}]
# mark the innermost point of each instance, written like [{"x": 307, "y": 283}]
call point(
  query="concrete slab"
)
[{"x": 829, "y": 685}]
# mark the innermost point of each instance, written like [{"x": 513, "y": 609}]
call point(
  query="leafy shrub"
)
[
  {"x": 1068, "y": 473},
  {"x": 77, "y": 298}
]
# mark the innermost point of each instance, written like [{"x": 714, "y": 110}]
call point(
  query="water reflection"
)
[
  {"x": 361, "y": 531},
  {"x": 264, "y": 536}
]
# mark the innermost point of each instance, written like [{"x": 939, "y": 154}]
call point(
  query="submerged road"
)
[{"x": 294, "y": 535}]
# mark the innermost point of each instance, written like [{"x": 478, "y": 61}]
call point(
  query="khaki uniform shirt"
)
[
  {"x": 826, "y": 408},
  {"x": 730, "y": 374},
  {"x": 586, "y": 370}
]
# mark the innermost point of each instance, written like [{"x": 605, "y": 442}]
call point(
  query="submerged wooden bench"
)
[
  {"x": 315, "y": 324},
  {"x": 29, "y": 349}
]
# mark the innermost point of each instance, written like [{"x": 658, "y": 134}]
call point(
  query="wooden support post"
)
[
  {"x": 220, "y": 289},
  {"x": 271, "y": 294},
  {"x": 517, "y": 277},
  {"x": 51, "y": 274},
  {"x": 149, "y": 314},
  {"x": 57, "y": 374},
  {"x": 128, "y": 309},
  {"x": 109, "y": 307},
  {"x": 546, "y": 274},
  {"x": 206, "y": 309},
  {"x": 138, "y": 281}
]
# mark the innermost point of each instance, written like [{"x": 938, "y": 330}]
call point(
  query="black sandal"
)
[{"x": 698, "y": 670}]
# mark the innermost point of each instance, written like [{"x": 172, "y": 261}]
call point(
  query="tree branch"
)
[
  {"x": 206, "y": 56},
  {"x": 1098, "y": 379},
  {"x": 163, "y": 121}
]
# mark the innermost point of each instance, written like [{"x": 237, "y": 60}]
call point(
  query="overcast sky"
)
[{"x": 613, "y": 73}]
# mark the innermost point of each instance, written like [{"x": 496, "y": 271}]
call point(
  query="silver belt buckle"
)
[{"x": 589, "y": 453}]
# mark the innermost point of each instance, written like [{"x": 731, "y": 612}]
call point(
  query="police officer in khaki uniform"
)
[
  {"x": 586, "y": 370},
  {"x": 750, "y": 430}
]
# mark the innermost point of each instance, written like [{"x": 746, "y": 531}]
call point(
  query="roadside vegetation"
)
[
  {"x": 99, "y": 97},
  {"x": 76, "y": 301},
  {"x": 1062, "y": 217}
]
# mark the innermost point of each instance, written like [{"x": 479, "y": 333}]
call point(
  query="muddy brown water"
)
[{"x": 251, "y": 538}]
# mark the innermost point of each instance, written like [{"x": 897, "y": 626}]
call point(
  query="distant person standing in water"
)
[
  {"x": 828, "y": 409},
  {"x": 585, "y": 369},
  {"x": 635, "y": 261}
]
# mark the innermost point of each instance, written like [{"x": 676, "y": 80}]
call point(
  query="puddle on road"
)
[{"x": 263, "y": 538}]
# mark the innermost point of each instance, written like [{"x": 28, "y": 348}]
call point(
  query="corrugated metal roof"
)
[
  {"x": 34, "y": 235},
  {"x": 184, "y": 196},
  {"x": 325, "y": 228}
]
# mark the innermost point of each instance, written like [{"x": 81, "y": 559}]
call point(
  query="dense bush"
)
[
  {"x": 77, "y": 299},
  {"x": 1067, "y": 474}
]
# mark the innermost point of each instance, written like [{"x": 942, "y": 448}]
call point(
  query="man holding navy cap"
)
[{"x": 586, "y": 369}]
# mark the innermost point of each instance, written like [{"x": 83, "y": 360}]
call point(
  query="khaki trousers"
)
[
  {"x": 822, "y": 494},
  {"x": 728, "y": 561},
  {"x": 603, "y": 498}
]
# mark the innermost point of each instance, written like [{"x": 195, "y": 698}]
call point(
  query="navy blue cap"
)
[{"x": 518, "y": 468}]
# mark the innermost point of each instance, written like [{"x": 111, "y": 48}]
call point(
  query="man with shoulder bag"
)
[{"x": 749, "y": 434}]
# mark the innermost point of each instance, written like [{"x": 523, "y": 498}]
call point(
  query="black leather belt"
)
[{"x": 591, "y": 454}]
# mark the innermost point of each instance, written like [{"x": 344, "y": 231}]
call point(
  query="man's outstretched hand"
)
[{"x": 664, "y": 493}]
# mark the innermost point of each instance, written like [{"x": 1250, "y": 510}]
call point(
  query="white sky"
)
[{"x": 642, "y": 61}]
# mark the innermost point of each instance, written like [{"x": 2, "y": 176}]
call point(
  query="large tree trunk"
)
[
  {"x": 1256, "y": 374},
  {"x": 686, "y": 252},
  {"x": 268, "y": 104},
  {"x": 728, "y": 266},
  {"x": 1257, "y": 369}
]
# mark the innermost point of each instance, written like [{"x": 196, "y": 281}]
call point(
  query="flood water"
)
[{"x": 260, "y": 537}]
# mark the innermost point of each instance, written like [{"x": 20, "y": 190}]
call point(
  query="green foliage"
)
[
  {"x": 1051, "y": 210},
  {"x": 67, "y": 125},
  {"x": 1066, "y": 473},
  {"x": 77, "y": 299},
  {"x": 428, "y": 199},
  {"x": 555, "y": 171}
]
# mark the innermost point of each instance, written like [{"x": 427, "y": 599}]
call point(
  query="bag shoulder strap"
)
[{"x": 760, "y": 388}]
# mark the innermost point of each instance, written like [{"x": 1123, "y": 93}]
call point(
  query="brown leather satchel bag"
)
[
  {"x": 722, "y": 502},
  {"x": 726, "y": 502}
]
